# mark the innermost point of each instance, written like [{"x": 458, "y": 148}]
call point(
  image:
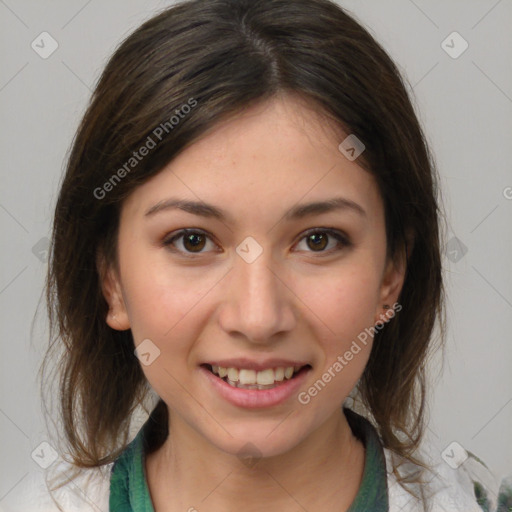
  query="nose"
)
[{"x": 257, "y": 303}]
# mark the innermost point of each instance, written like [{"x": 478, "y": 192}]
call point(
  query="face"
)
[{"x": 258, "y": 282}]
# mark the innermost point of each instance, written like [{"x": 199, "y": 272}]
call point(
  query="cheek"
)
[
  {"x": 152, "y": 303},
  {"x": 164, "y": 307},
  {"x": 160, "y": 297},
  {"x": 342, "y": 308},
  {"x": 343, "y": 302}
]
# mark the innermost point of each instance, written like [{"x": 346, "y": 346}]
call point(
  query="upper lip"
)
[{"x": 251, "y": 364}]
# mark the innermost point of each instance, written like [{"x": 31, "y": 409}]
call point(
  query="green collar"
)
[
  {"x": 129, "y": 489},
  {"x": 373, "y": 492}
]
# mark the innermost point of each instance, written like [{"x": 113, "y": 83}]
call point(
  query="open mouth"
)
[{"x": 251, "y": 379}]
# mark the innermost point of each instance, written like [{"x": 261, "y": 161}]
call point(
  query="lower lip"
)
[{"x": 256, "y": 398}]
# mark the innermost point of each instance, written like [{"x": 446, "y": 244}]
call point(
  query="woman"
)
[{"x": 246, "y": 243}]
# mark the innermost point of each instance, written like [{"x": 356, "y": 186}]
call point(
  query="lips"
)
[
  {"x": 249, "y": 378},
  {"x": 254, "y": 396},
  {"x": 252, "y": 364}
]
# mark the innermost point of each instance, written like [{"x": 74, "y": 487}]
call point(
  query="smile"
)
[
  {"x": 245, "y": 378},
  {"x": 242, "y": 389}
]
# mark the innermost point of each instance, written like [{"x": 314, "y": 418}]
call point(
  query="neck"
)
[{"x": 325, "y": 470}]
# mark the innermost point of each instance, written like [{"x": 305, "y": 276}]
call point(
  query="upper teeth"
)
[{"x": 263, "y": 377}]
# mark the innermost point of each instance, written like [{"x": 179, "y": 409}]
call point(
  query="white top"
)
[{"x": 451, "y": 490}]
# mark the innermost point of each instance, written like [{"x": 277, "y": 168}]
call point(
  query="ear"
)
[
  {"x": 117, "y": 316},
  {"x": 392, "y": 281}
]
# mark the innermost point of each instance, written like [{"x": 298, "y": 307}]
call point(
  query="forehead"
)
[{"x": 269, "y": 157}]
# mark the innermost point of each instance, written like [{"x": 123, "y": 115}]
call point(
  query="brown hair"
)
[{"x": 219, "y": 57}]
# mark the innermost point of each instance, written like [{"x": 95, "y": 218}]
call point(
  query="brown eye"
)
[
  {"x": 192, "y": 242},
  {"x": 318, "y": 240}
]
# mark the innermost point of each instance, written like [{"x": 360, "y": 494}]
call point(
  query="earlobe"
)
[
  {"x": 119, "y": 324},
  {"x": 392, "y": 282},
  {"x": 391, "y": 286},
  {"x": 117, "y": 316}
]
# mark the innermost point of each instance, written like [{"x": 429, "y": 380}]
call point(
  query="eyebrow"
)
[{"x": 297, "y": 212}]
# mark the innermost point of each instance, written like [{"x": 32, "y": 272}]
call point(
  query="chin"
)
[{"x": 261, "y": 440}]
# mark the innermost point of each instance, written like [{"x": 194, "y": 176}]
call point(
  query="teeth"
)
[
  {"x": 265, "y": 377},
  {"x": 246, "y": 376},
  {"x": 279, "y": 374},
  {"x": 233, "y": 374},
  {"x": 253, "y": 379}
]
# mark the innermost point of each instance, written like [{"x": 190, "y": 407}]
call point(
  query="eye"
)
[
  {"x": 318, "y": 240},
  {"x": 193, "y": 241}
]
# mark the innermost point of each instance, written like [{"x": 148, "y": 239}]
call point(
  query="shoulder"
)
[
  {"x": 444, "y": 488},
  {"x": 88, "y": 491}
]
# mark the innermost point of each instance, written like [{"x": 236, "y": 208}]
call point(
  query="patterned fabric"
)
[{"x": 129, "y": 490}]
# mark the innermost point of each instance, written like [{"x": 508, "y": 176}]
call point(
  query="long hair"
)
[{"x": 170, "y": 81}]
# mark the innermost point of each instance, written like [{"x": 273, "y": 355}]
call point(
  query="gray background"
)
[{"x": 464, "y": 103}]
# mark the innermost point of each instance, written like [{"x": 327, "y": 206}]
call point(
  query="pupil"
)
[
  {"x": 192, "y": 239},
  {"x": 315, "y": 238},
  {"x": 196, "y": 241}
]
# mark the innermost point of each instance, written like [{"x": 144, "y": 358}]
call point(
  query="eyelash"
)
[{"x": 342, "y": 240}]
